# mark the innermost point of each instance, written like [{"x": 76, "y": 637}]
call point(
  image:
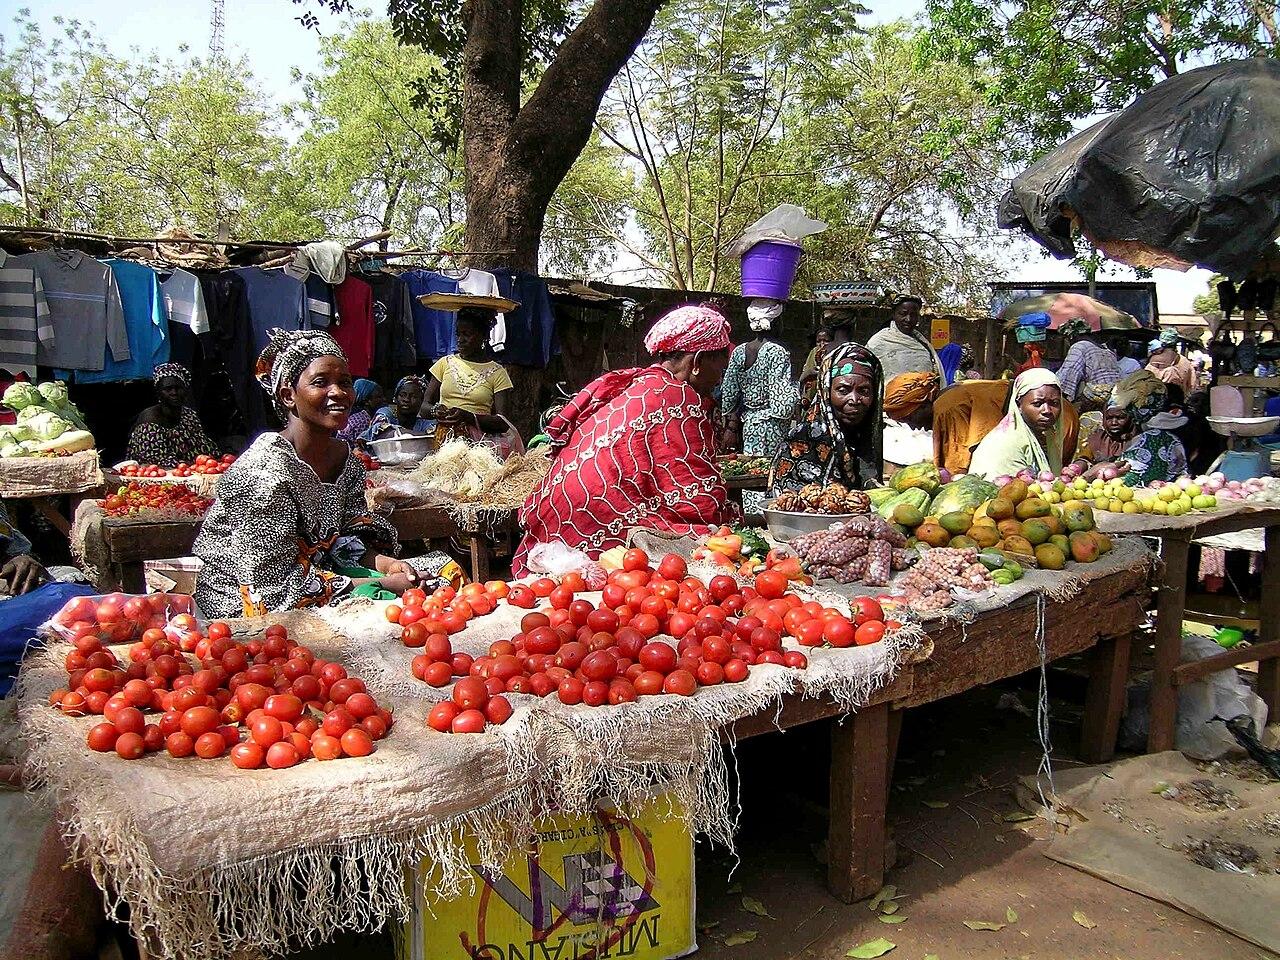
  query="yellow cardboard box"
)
[{"x": 589, "y": 888}]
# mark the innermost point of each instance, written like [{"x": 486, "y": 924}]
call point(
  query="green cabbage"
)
[
  {"x": 15, "y": 434},
  {"x": 10, "y": 450},
  {"x": 27, "y": 414},
  {"x": 47, "y": 425},
  {"x": 21, "y": 395},
  {"x": 54, "y": 393}
]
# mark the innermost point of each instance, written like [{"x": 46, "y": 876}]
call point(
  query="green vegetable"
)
[
  {"x": 10, "y": 450},
  {"x": 46, "y": 425},
  {"x": 753, "y": 544},
  {"x": 20, "y": 395},
  {"x": 915, "y": 496},
  {"x": 15, "y": 433},
  {"x": 964, "y": 493},
  {"x": 878, "y": 495},
  {"x": 54, "y": 393}
]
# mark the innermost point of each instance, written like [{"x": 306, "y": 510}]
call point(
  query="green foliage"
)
[{"x": 1207, "y": 302}]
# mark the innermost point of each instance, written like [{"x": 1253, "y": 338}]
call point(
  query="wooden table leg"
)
[
  {"x": 1104, "y": 702},
  {"x": 480, "y": 550},
  {"x": 132, "y": 577},
  {"x": 859, "y": 795},
  {"x": 48, "y": 508},
  {"x": 1269, "y": 622},
  {"x": 1171, "y": 602}
]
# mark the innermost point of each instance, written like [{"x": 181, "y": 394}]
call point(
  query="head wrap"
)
[
  {"x": 411, "y": 378},
  {"x": 908, "y": 392},
  {"x": 817, "y": 449},
  {"x": 1038, "y": 319},
  {"x": 1169, "y": 337},
  {"x": 1145, "y": 397},
  {"x": 364, "y": 390},
  {"x": 689, "y": 329},
  {"x": 288, "y": 353},
  {"x": 1013, "y": 443},
  {"x": 171, "y": 370}
]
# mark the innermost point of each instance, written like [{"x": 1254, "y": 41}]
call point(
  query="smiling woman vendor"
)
[{"x": 291, "y": 511}]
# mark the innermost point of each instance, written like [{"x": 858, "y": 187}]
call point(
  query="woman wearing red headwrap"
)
[{"x": 636, "y": 448}]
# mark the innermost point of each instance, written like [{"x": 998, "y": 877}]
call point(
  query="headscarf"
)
[
  {"x": 288, "y": 353},
  {"x": 1145, "y": 397},
  {"x": 689, "y": 329},
  {"x": 1013, "y": 442},
  {"x": 908, "y": 392},
  {"x": 364, "y": 390},
  {"x": 411, "y": 378},
  {"x": 171, "y": 370},
  {"x": 1169, "y": 337},
  {"x": 816, "y": 449}
]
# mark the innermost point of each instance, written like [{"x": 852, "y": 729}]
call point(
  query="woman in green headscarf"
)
[{"x": 1030, "y": 437}]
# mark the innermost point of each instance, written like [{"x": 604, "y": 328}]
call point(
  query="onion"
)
[
  {"x": 1003, "y": 479},
  {"x": 1219, "y": 476},
  {"x": 1213, "y": 486},
  {"x": 1046, "y": 476},
  {"x": 1026, "y": 476},
  {"x": 945, "y": 475},
  {"x": 1108, "y": 473}
]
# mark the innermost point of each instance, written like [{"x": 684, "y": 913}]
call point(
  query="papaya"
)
[
  {"x": 878, "y": 495},
  {"x": 1018, "y": 545},
  {"x": 1050, "y": 557},
  {"x": 916, "y": 497},
  {"x": 991, "y": 559},
  {"x": 933, "y": 534},
  {"x": 1009, "y": 528},
  {"x": 1031, "y": 508},
  {"x": 919, "y": 476},
  {"x": 984, "y": 535},
  {"x": 957, "y": 521},
  {"x": 908, "y": 515},
  {"x": 1036, "y": 532},
  {"x": 963, "y": 493},
  {"x": 1084, "y": 549},
  {"x": 1078, "y": 517},
  {"x": 961, "y": 543},
  {"x": 1015, "y": 491},
  {"x": 1054, "y": 523},
  {"x": 1001, "y": 508}
]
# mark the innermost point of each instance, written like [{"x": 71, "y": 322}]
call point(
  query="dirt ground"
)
[{"x": 957, "y": 762}]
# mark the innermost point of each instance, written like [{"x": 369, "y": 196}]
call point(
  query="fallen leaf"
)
[
  {"x": 871, "y": 949},
  {"x": 708, "y": 925},
  {"x": 887, "y": 892},
  {"x": 1084, "y": 921},
  {"x": 895, "y": 918},
  {"x": 936, "y": 804},
  {"x": 734, "y": 888},
  {"x": 1018, "y": 816},
  {"x": 1160, "y": 916},
  {"x": 735, "y": 939},
  {"x": 889, "y": 907},
  {"x": 931, "y": 956},
  {"x": 1010, "y": 914},
  {"x": 752, "y": 905},
  {"x": 983, "y": 925}
]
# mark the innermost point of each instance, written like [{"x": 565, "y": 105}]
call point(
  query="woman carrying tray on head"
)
[
  {"x": 637, "y": 448},
  {"x": 291, "y": 512},
  {"x": 467, "y": 394}
]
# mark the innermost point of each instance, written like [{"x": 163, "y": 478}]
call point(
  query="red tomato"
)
[
  {"x": 179, "y": 744},
  {"x": 735, "y": 671},
  {"x": 532, "y": 621},
  {"x": 359, "y": 705},
  {"x": 570, "y": 691},
  {"x": 673, "y": 567},
  {"x": 647, "y": 624},
  {"x": 542, "y": 587},
  {"x": 635, "y": 560},
  {"x": 287, "y": 707},
  {"x": 461, "y": 663},
  {"x": 709, "y": 673},
  {"x": 344, "y": 688},
  {"x": 498, "y": 710},
  {"x": 325, "y": 747},
  {"x": 522, "y": 596},
  {"x": 468, "y": 721},
  {"x": 613, "y": 595},
  {"x": 102, "y": 737},
  {"x": 356, "y": 742},
  {"x": 795, "y": 659},
  {"x": 599, "y": 666},
  {"x": 658, "y": 657},
  {"x": 265, "y": 730},
  {"x": 470, "y": 693},
  {"x": 414, "y": 597},
  {"x": 722, "y": 587},
  {"x": 560, "y": 598},
  {"x": 772, "y": 656},
  {"x": 414, "y": 635},
  {"x": 542, "y": 640},
  {"x": 621, "y": 690},
  {"x": 152, "y": 738},
  {"x": 870, "y": 632},
  {"x": 680, "y": 682},
  {"x": 442, "y": 714},
  {"x": 541, "y": 684},
  {"x": 810, "y": 632},
  {"x": 866, "y": 609},
  {"x": 373, "y": 725},
  {"x": 838, "y": 633},
  {"x": 282, "y": 755},
  {"x": 210, "y": 746},
  {"x": 602, "y": 621},
  {"x": 595, "y": 693},
  {"x": 130, "y": 746}
]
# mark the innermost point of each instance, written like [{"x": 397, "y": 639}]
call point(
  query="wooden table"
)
[
  {"x": 1102, "y": 618},
  {"x": 737, "y": 484},
  {"x": 130, "y": 545}
]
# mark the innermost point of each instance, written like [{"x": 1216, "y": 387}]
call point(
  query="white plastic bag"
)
[
  {"x": 785, "y": 223},
  {"x": 557, "y": 559}
]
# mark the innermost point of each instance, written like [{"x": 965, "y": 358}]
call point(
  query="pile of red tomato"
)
[
  {"x": 266, "y": 702},
  {"x": 613, "y": 653},
  {"x": 203, "y": 465},
  {"x": 171, "y": 498}
]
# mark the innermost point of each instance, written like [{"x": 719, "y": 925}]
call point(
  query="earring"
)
[{"x": 696, "y": 371}]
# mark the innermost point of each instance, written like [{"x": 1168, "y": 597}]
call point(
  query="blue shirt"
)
[
  {"x": 434, "y": 331},
  {"x": 531, "y": 327},
  {"x": 146, "y": 323},
  {"x": 275, "y": 300}
]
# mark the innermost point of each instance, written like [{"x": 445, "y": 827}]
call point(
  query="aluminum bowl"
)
[
  {"x": 1244, "y": 426},
  {"x": 393, "y": 451},
  {"x": 785, "y": 525}
]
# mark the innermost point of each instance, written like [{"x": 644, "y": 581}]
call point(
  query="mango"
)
[
  {"x": 1031, "y": 508},
  {"x": 1015, "y": 491},
  {"x": 1009, "y": 528},
  {"x": 1019, "y": 545},
  {"x": 1036, "y": 532},
  {"x": 1084, "y": 549},
  {"x": 1102, "y": 540},
  {"x": 956, "y": 522},
  {"x": 1001, "y": 508},
  {"x": 1050, "y": 557},
  {"x": 1003, "y": 577},
  {"x": 1054, "y": 523},
  {"x": 984, "y": 535},
  {"x": 932, "y": 533},
  {"x": 907, "y": 515},
  {"x": 1060, "y": 541},
  {"x": 1079, "y": 516},
  {"x": 962, "y": 542}
]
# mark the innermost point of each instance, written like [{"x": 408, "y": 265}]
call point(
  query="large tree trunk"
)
[{"x": 516, "y": 156}]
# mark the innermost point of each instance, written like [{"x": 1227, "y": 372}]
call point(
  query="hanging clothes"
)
[
  {"x": 275, "y": 300},
  {"x": 84, "y": 310},
  {"x": 531, "y": 327},
  {"x": 434, "y": 334},
  {"x": 321, "y": 309},
  {"x": 24, "y": 316},
  {"x": 354, "y": 330},
  {"x": 393, "y": 344},
  {"x": 230, "y": 399},
  {"x": 146, "y": 326},
  {"x": 481, "y": 283},
  {"x": 188, "y": 317}
]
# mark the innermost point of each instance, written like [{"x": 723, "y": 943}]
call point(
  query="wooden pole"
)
[{"x": 1171, "y": 603}]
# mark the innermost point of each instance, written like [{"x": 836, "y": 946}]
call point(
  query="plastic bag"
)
[
  {"x": 122, "y": 617},
  {"x": 1198, "y": 735},
  {"x": 557, "y": 559},
  {"x": 786, "y": 222}
]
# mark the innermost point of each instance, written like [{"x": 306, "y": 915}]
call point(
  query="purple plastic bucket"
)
[{"x": 768, "y": 269}]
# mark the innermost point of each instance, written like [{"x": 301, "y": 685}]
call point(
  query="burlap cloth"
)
[
  {"x": 204, "y": 484},
  {"x": 49, "y": 476}
]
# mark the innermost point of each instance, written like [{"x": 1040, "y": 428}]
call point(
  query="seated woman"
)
[
  {"x": 466, "y": 393},
  {"x": 908, "y": 418},
  {"x": 1030, "y": 436},
  {"x": 838, "y": 438},
  {"x": 170, "y": 432},
  {"x": 636, "y": 448},
  {"x": 964, "y": 414},
  {"x": 1155, "y": 453},
  {"x": 369, "y": 397},
  {"x": 291, "y": 511},
  {"x": 1108, "y": 441},
  {"x": 402, "y": 415}
]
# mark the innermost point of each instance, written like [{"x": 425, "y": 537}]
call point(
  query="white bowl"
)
[
  {"x": 1244, "y": 426},
  {"x": 393, "y": 451}
]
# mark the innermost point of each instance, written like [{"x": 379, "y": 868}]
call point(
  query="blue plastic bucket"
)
[{"x": 768, "y": 269}]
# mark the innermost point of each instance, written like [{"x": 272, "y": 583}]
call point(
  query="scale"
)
[{"x": 1245, "y": 457}]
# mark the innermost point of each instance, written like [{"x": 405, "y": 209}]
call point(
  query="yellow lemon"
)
[{"x": 1132, "y": 507}]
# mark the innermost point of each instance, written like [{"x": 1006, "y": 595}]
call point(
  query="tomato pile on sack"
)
[
  {"x": 147, "y": 499},
  {"x": 203, "y": 465},
  {"x": 265, "y": 702},
  {"x": 619, "y": 650}
]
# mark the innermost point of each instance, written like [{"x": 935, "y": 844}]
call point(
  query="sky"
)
[{"x": 268, "y": 35}]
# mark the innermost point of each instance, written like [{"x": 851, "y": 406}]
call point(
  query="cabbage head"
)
[
  {"x": 10, "y": 450},
  {"x": 54, "y": 393},
  {"x": 47, "y": 426},
  {"x": 14, "y": 434},
  {"x": 20, "y": 395},
  {"x": 27, "y": 414}
]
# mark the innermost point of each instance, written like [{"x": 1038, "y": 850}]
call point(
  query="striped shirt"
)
[
  {"x": 24, "y": 317},
  {"x": 84, "y": 305}
]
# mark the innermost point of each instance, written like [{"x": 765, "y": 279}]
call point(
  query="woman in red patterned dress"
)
[{"x": 636, "y": 448}]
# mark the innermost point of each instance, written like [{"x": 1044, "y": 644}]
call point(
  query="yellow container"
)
[{"x": 588, "y": 888}]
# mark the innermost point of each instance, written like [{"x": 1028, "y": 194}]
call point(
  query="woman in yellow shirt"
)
[{"x": 467, "y": 393}]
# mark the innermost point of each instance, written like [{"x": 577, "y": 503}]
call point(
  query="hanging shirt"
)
[
  {"x": 84, "y": 309},
  {"x": 146, "y": 325},
  {"x": 231, "y": 402},
  {"x": 354, "y": 329},
  {"x": 479, "y": 283},
  {"x": 185, "y": 301},
  {"x": 434, "y": 331},
  {"x": 531, "y": 327},
  {"x": 393, "y": 345},
  {"x": 275, "y": 300},
  {"x": 320, "y": 304},
  {"x": 24, "y": 317}
]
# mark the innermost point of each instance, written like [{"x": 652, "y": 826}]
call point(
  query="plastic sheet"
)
[{"x": 1189, "y": 173}]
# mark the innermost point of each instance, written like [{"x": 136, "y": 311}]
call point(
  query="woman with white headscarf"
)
[{"x": 1030, "y": 437}]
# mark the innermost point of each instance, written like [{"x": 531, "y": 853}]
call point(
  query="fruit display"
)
[
  {"x": 739, "y": 466},
  {"x": 155, "y": 501},
  {"x": 834, "y": 498},
  {"x": 204, "y": 465},
  {"x": 865, "y": 549},
  {"x": 120, "y": 618},
  {"x": 265, "y": 702},
  {"x": 928, "y": 586},
  {"x": 745, "y": 551},
  {"x": 48, "y": 423},
  {"x": 926, "y": 476}
]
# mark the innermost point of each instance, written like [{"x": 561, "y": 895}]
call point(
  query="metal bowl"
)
[
  {"x": 409, "y": 448},
  {"x": 1244, "y": 426},
  {"x": 785, "y": 525}
]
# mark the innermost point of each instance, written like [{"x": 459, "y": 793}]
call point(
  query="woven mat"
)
[{"x": 22, "y": 477}]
